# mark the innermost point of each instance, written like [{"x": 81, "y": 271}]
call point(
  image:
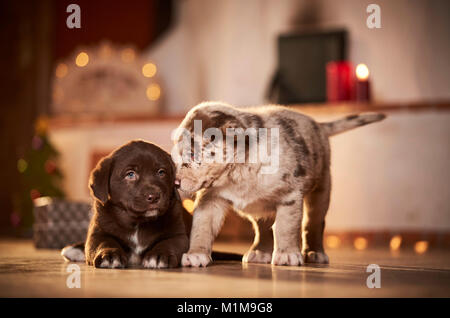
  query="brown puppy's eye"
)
[
  {"x": 161, "y": 172},
  {"x": 131, "y": 175}
]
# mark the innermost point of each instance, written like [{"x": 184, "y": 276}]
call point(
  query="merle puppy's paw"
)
[
  {"x": 110, "y": 258},
  {"x": 196, "y": 260},
  {"x": 287, "y": 258},
  {"x": 257, "y": 256},
  {"x": 160, "y": 260}
]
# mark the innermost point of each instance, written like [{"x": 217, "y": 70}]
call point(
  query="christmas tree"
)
[{"x": 39, "y": 176}]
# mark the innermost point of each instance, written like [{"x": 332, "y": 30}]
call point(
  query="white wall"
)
[
  {"x": 392, "y": 175},
  {"x": 226, "y": 50}
]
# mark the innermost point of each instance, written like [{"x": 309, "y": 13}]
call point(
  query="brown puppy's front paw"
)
[
  {"x": 159, "y": 260},
  {"x": 316, "y": 257},
  {"x": 110, "y": 258},
  {"x": 196, "y": 260},
  {"x": 287, "y": 258},
  {"x": 257, "y": 256}
]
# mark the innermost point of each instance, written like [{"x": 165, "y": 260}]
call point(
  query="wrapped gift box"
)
[{"x": 58, "y": 222}]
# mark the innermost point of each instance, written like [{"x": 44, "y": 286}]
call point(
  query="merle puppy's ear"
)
[
  {"x": 99, "y": 180},
  {"x": 224, "y": 120}
]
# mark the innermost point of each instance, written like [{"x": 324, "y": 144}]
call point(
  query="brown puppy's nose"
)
[{"x": 153, "y": 197}]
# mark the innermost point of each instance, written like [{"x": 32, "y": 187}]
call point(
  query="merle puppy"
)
[
  {"x": 138, "y": 215},
  {"x": 283, "y": 197}
]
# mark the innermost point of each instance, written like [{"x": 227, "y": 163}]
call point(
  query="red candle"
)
[
  {"x": 362, "y": 83},
  {"x": 339, "y": 81}
]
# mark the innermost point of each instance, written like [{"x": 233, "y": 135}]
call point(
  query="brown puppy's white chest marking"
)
[{"x": 135, "y": 257}]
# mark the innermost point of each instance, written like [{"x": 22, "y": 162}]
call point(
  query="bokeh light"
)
[
  {"x": 127, "y": 55},
  {"x": 421, "y": 247},
  {"x": 105, "y": 52},
  {"x": 82, "y": 59},
  {"x": 360, "y": 243},
  {"x": 149, "y": 70},
  {"x": 395, "y": 243},
  {"x": 333, "y": 241},
  {"x": 153, "y": 92},
  {"x": 61, "y": 70}
]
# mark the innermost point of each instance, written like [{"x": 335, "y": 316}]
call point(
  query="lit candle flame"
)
[{"x": 362, "y": 72}]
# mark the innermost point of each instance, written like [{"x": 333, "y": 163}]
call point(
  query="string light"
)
[
  {"x": 396, "y": 242},
  {"x": 360, "y": 243},
  {"x": 82, "y": 59},
  {"x": 421, "y": 247},
  {"x": 61, "y": 70},
  {"x": 105, "y": 52},
  {"x": 153, "y": 92},
  {"x": 128, "y": 55},
  {"x": 149, "y": 70},
  {"x": 333, "y": 241}
]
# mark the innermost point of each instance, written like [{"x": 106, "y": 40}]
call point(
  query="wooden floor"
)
[{"x": 27, "y": 272}]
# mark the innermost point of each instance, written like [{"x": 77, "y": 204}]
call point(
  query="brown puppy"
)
[{"x": 138, "y": 215}]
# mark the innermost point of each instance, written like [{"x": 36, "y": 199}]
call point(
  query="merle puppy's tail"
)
[
  {"x": 74, "y": 252},
  {"x": 350, "y": 122},
  {"x": 225, "y": 256}
]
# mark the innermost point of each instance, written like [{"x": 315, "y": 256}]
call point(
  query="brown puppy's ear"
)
[{"x": 99, "y": 180}]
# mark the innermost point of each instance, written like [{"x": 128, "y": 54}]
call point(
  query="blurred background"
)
[{"x": 134, "y": 68}]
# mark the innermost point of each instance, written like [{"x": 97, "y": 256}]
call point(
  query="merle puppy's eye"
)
[
  {"x": 161, "y": 172},
  {"x": 131, "y": 175}
]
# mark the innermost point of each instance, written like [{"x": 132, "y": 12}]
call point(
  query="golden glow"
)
[
  {"x": 362, "y": 72},
  {"x": 149, "y": 70},
  {"x": 128, "y": 55},
  {"x": 105, "y": 52},
  {"x": 396, "y": 242},
  {"x": 61, "y": 70},
  {"x": 82, "y": 59},
  {"x": 333, "y": 241},
  {"x": 360, "y": 243},
  {"x": 421, "y": 247},
  {"x": 153, "y": 91},
  {"x": 188, "y": 205}
]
